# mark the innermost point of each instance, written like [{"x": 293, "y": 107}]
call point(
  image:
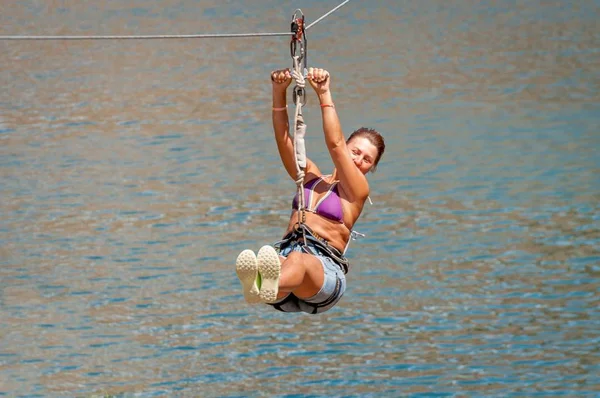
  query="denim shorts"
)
[{"x": 334, "y": 284}]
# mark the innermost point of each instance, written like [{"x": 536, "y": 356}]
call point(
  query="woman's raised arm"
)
[
  {"x": 354, "y": 181},
  {"x": 281, "y": 80}
]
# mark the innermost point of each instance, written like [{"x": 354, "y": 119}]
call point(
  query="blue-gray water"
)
[{"x": 133, "y": 173}]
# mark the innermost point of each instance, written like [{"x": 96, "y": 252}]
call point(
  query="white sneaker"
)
[
  {"x": 269, "y": 268},
  {"x": 246, "y": 269}
]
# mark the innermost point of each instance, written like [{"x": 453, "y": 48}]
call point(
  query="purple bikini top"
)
[{"x": 329, "y": 206}]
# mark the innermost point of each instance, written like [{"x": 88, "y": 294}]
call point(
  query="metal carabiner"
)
[
  {"x": 298, "y": 37},
  {"x": 298, "y": 43}
]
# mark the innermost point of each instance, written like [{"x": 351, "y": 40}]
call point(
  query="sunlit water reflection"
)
[{"x": 133, "y": 172}]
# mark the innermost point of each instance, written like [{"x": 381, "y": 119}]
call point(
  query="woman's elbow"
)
[{"x": 336, "y": 144}]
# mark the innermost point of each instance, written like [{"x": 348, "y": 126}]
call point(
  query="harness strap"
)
[
  {"x": 298, "y": 53},
  {"x": 304, "y": 234}
]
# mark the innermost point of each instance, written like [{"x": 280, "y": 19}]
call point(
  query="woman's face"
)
[{"x": 363, "y": 153}]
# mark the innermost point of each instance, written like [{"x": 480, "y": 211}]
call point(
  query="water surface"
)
[{"x": 133, "y": 173}]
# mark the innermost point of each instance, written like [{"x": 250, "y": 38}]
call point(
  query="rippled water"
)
[{"x": 133, "y": 172}]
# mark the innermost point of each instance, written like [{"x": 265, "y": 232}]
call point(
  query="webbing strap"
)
[{"x": 298, "y": 73}]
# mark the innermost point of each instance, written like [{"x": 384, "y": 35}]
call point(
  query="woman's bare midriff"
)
[{"x": 335, "y": 233}]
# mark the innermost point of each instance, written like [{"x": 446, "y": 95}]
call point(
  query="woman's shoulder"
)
[
  {"x": 352, "y": 179},
  {"x": 348, "y": 184},
  {"x": 354, "y": 201}
]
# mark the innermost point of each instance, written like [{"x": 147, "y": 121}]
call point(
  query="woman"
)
[{"x": 308, "y": 274}]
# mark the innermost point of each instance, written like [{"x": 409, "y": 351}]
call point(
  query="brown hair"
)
[{"x": 374, "y": 138}]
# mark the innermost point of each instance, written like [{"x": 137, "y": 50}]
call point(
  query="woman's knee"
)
[
  {"x": 303, "y": 262},
  {"x": 306, "y": 263},
  {"x": 293, "y": 260},
  {"x": 294, "y": 257}
]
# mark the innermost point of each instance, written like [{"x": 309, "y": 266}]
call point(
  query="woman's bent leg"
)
[{"x": 301, "y": 274}]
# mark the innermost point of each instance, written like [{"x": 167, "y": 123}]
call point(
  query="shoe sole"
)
[
  {"x": 269, "y": 268},
  {"x": 246, "y": 268}
]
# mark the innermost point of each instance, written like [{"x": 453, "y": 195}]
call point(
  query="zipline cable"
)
[
  {"x": 327, "y": 14},
  {"x": 144, "y": 37},
  {"x": 140, "y": 37}
]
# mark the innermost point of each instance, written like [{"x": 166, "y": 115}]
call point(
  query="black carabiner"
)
[{"x": 293, "y": 41}]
